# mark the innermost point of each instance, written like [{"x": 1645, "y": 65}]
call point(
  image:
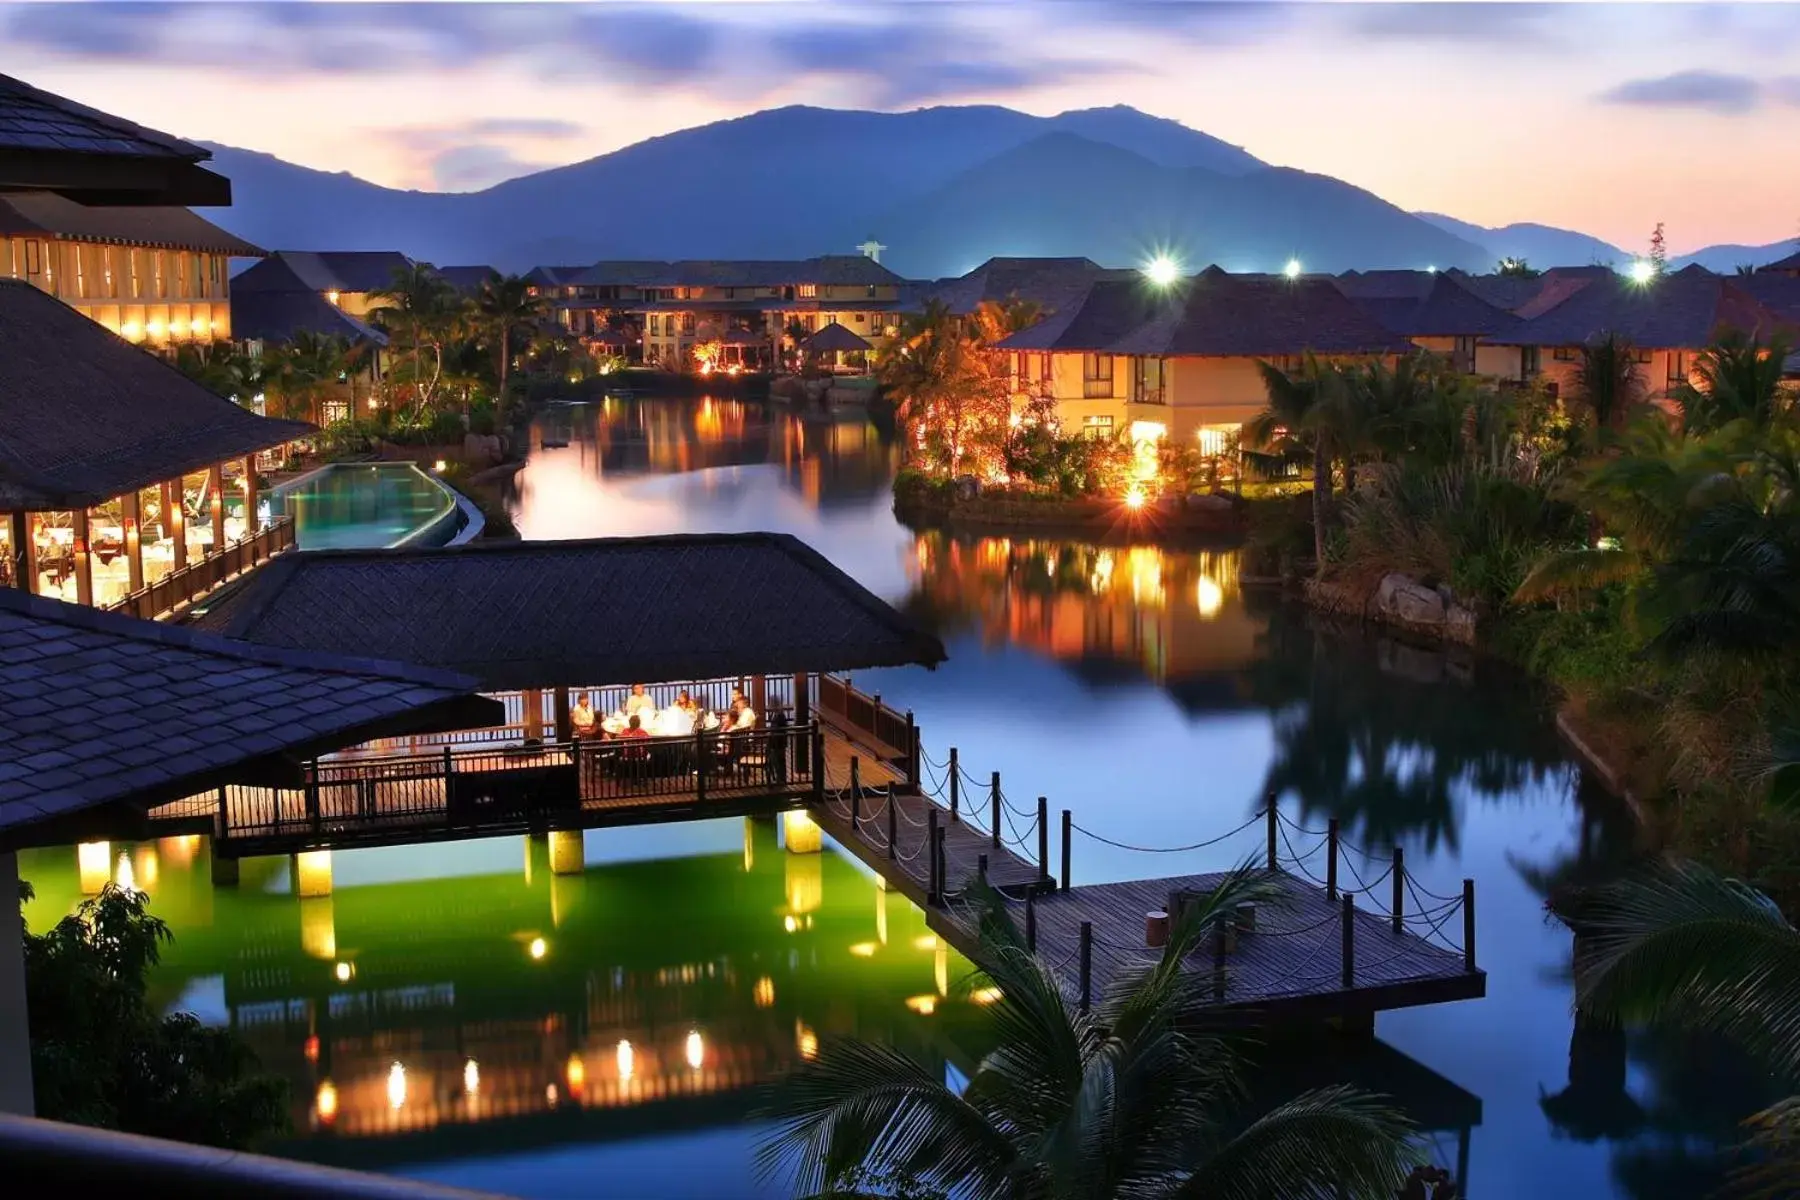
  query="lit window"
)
[
  {"x": 1097, "y": 428},
  {"x": 807, "y": 291}
]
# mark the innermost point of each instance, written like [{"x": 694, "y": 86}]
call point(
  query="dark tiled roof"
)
[
  {"x": 1679, "y": 311},
  {"x": 1386, "y": 285},
  {"x": 32, "y": 119},
  {"x": 86, "y": 416},
  {"x": 1780, "y": 293},
  {"x": 1053, "y": 283},
  {"x": 278, "y": 316},
  {"x": 33, "y": 214},
  {"x": 101, "y": 709},
  {"x": 620, "y": 272},
  {"x": 537, "y": 614},
  {"x": 1106, "y": 312},
  {"x": 834, "y": 337},
  {"x": 828, "y": 270},
  {"x": 323, "y": 271},
  {"x": 468, "y": 280},
  {"x": 552, "y": 276},
  {"x": 1790, "y": 263},
  {"x": 1443, "y": 307},
  {"x": 1515, "y": 293}
]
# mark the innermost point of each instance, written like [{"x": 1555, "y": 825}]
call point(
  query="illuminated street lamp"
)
[{"x": 1642, "y": 271}]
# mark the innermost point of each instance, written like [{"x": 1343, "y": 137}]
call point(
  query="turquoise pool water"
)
[{"x": 367, "y": 505}]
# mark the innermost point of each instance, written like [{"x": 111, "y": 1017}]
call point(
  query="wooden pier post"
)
[
  {"x": 893, "y": 816},
  {"x": 981, "y": 868},
  {"x": 1087, "y": 964},
  {"x": 943, "y": 863},
  {"x": 312, "y": 795},
  {"x": 818, "y": 765},
  {"x": 994, "y": 815},
  {"x": 1468, "y": 924},
  {"x": 1274, "y": 817},
  {"x": 1331, "y": 856},
  {"x": 934, "y": 887},
  {"x": 1399, "y": 888},
  {"x": 1031, "y": 922},
  {"x": 915, "y": 750},
  {"x": 1067, "y": 829},
  {"x": 1349, "y": 940},
  {"x": 855, "y": 793},
  {"x": 955, "y": 786},
  {"x": 1043, "y": 839}
]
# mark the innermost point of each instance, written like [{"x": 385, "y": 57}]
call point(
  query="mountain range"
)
[{"x": 943, "y": 188}]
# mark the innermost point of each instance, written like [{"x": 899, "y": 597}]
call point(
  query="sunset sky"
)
[{"x": 1601, "y": 117}]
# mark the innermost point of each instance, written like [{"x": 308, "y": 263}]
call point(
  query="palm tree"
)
[
  {"x": 305, "y": 368},
  {"x": 421, "y": 312},
  {"x": 507, "y": 308},
  {"x": 1608, "y": 382},
  {"x": 1738, "y": 379},
  {"x": 221, "y": 368},
  {"x": 1124, "y": 1100},
  {"x": 1678, "y": 943},
  {"x": 1292, "y": 425}
]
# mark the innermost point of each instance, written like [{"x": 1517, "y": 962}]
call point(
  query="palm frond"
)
[
  {"x": 1579, "y": 570},
  {"x": 1774, "y": 1150},
  {"x": 1320, "y": 1145}
]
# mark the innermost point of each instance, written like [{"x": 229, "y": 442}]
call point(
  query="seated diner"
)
[
  {"x": 639, "y": 703},
  {"x": 583, "y": 719}
]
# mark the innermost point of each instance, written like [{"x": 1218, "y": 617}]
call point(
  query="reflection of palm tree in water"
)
[{"x": 1387, "y": 751}]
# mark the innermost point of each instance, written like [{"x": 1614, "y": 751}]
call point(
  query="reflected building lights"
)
[
  {"x": 471, "y": 1077},
  {"x": 576, "y": 1074},
  {"x": 396, "y": 1086},
  {"x": 696, "y": 1050},
  {"x": 325, "y": 1103},
  {"x": 626, "y": 1060},
  {"x": 125, "y": 876},
  {"x": 764, "y": 992},
  {"x": 806, "y": 1041}
]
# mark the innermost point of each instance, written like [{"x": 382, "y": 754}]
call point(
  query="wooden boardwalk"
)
[{"x": 1292, "y": 966}]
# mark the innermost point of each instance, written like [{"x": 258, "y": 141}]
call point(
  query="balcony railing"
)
[
  {"x": 864, "y": 718},
  {"x": 180, "y": 588}
]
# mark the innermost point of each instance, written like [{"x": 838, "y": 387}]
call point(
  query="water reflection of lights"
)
[
  {"x": 344, "y": 972},
  {"x": 326, "y": 1102},
  {"x": 925, "y": 942},
  {"x": 396, "y": 1086},
  {"x": 1209, "y": 597},
  {"x": 576, "y": 1072},
  {"x": 538, "y": 948},
  {"x": 764, "y": 993},
  {"x": 986, "y": 995},
  {"x": 863, "y": 949},
  {"x": 806, "y": 1041},
  {"x": 696, "y": 1050},
  {"x": 127, "y": 879},
  {"x": 626, "y": 1059},
  {"x": 789, "y": 923},
  {"x": 471, "y": 1077},
  {"x": 923, "y": 1005}
]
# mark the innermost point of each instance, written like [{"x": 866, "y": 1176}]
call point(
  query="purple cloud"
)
[{"x": 1706, "y": 91}]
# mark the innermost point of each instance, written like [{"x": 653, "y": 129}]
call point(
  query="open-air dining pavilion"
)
[
  {"x": 576, "y": 638},
  {"x": 124, "y": 483}
]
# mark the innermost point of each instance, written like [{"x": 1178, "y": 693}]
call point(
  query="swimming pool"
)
[{"x": 368, "y": 505}]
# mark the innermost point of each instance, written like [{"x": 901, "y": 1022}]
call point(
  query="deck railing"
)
[
  {"x": 882, "y": 727},
  {"x": 500, "y": 788},
  {"x": 182, "y": 587}
]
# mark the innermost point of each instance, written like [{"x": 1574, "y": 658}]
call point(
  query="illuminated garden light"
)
[
  {"x": 1292, "y": 270},
  {"x": 1642, "y": 271},
  {"x": 1134, "y": 496},
  {"x": 1162, "y": 270}
]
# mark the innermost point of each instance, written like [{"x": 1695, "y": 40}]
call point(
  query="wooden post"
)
[
  {"x": 23, "y": 550},
  {"x": 532, "y": 699},
  {"x": 818, "y": 765},
  {"x": 84, "y": 558},
  {"x": 559, "y": 708},
  {"x": 700, "y": 757},
  {"x": 1331, "y": 855},
  {"x": 981, "y": 862},
  {"x": 312, "y": 794},
  {"x": 942, "y": 861},
  {"x": 1087, "y": 964},
  {"x": 1399, "y": 889},
  {"x": 1068, "y": 826},
  {"x": 759, "y": 696},
  {"x": 1468, "y": 924},
  {"x": 1274, "y": 816},
  {"x": 215, "y": 486},
  {"x": 174, "y": 521},
  {"x": 934, "y": 893},
  {"x": 893, "y": 815},
  {"x": 1348, "y": 949},
  {"x": 130, "y": 516},
  {"x": 802, "y": 698},
  {"x": 855, "y": 794},
  {"x": 914, "y": 748},
  {"x": 1043, "y": 840},
  {"x": 252, "y": 494},
  {"x": 955, "y": 793},
  {"x": 1031, "y": 922},
  {"x": 994, "y": 816}
]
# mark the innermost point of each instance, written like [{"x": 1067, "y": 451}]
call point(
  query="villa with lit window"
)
[
  {"x": 1133, "y": 360},
  {"x": 1434, "y": 311}
]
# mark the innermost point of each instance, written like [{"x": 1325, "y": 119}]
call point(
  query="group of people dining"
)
[{"x": 639, "y": 717}]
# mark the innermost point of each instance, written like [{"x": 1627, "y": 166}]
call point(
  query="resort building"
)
[
  {"x": 124, "y": 484},
  {"x": 1668, "y": 321},
  {"x": 1048, "y": 283},
  {"x": 1789, "y": 266},
  {"x": 752, "y": 309},
  {"x": 345, "y": 284},
  {"x": 1434, "y": 311},
  {"x": 1136, "y": 360}
]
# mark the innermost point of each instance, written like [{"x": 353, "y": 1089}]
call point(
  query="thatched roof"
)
[{"x": 835, "y": 337}]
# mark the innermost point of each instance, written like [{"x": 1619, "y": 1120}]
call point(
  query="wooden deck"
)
[{"x": 1291, "y": 967}]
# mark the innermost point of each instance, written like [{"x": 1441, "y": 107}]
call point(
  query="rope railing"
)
[{"x": 1167, "y": 849}]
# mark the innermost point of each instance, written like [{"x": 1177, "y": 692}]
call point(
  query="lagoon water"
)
[{"x": 619, "y": 1021}]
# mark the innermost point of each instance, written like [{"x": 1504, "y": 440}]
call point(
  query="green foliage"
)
[
  {"x": 952, "y": 394},
  {"x": 101, "y": 1056},
  {"x": 1738, "y": 378},
  {"x": 1129, "y": 1099},
  {"x": 1516, "y": 268}
]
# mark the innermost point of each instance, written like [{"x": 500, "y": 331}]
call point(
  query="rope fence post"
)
[
  {"x": 1468, "y": 924},
  {"x": 1031, "y": 923},
  {"x": 1399, "y": 888},
  {"x": 1043, "y": 819},
  {"x": 934, "y": 892},
  {"x": 1274, "y": 829},
  {"x": 855, "y": 794},
  {"x": 1087, "y": 964},
  {"x": 1349, "y": 941},
  {"x": 994, "y": 815},
  {"x": 893, "y": 815},
  {"x": 1067, "y": 831},
  {"x": 955, "y": 786},
  {"x": 914, "y": 749},
  {"x": 1331, "y": 857}
]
